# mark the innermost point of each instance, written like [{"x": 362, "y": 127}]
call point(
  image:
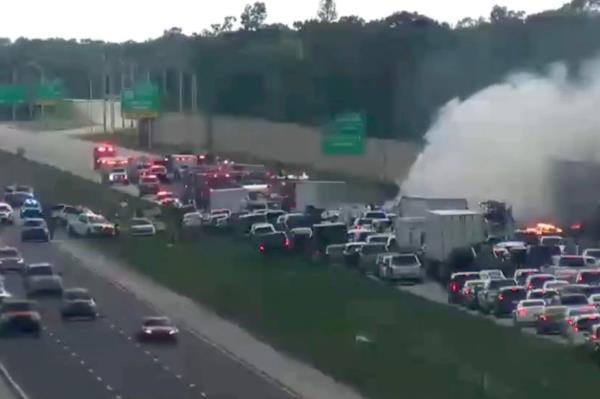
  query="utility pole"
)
[
  {"x": 131, "y": 80},
  {"x": 14, "y": 106},
  {"x": 194, "y": 93},
  {"x": 90, "y": 87},
  {"x": 180, "y": 90},
  {"x": 43, "y": 79},
  {"x": 104, "y": 88},
  {"x": 121, "y": 92}
]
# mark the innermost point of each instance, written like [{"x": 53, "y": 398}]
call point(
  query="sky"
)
[{"x": 121, "y": 20}]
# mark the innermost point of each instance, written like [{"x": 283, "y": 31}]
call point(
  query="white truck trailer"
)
[
  {"x": 228, "y": 198},
  {"x": 320, "y": 194},
  {"x": 447, "y": 230},
  {"x": 410, "y": 232},
  {"x": 419, "y": 206}
]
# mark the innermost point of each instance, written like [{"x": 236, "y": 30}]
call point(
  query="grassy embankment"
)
[{"x": 418, "y": 349}]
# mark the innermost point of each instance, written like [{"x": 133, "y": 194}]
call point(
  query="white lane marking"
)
[
  {"x": 138, "y": 345},
  {"x": 203, "y": 394},
  {"x": 91, "y": 371},
  {"x": 128, "y": 338},
  {"x": 65, "y": 347},
  {"x": 112, "y": 326},
  {"x": 155, "y": 360},
  {"x": 82, "y": 362},
  {"x": 13, "y": 383},
  {"x": 109, "y": 388},
  {"x": 118, "y": 397},
  {"x": 73, "y": 354},
  {"x": 178, "y": 376},
  {"x": 147, "y": 352},
  {"x": 166, "y": 368},
  {"x": 99, "y": 379},
  {"x": 192, "y": 385}
]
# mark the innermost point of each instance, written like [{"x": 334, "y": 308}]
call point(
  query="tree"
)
[
  {"x": 217, "y": 29},
  {"x": 327, "y": 11},
  {"x": 582, "y": 6},
  {"x": 468, "y": 23},
  {"x": 503, "y": 14},
  {"x": 254, "y": 16}
]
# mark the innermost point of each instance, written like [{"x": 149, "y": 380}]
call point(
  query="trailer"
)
[
  {"x": 319, "y": 194},
  {"x": 228, "y": 198},
  {"x": 410, "y": 232},
  {"x": 420, "y": 206}
]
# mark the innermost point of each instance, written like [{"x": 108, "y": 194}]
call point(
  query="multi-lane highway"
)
[{"x": 101, "y": 359}]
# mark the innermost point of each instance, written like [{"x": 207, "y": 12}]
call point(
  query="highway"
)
[{"x": 100, "y": 359}]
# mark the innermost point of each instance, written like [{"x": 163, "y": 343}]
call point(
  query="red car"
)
[{"x": 157, "y": 329}]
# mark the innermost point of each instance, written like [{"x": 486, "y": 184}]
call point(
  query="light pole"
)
[{"x": 42, "y": 78}]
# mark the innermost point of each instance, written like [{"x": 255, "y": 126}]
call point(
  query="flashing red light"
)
[
  {"x": 453, "y": 287},
  {"x": 201, "y": 156},
  {"x": 101, "y": 149},
  {"x": 261, "y": 248},
  {"x": 576, "y": 226}
]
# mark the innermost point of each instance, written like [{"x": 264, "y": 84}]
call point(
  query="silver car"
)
[
  {"x": 11, "y": 260},
  {"x": 42, "y": 278},
  {"x": 77, "y": 302},
  {"x": 142, "y": 227},
  {"x": 401, "y": 267}
]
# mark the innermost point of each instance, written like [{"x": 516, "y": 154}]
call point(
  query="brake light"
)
[
  {"x": 570, "y": 321},
  {"x": 522, "y": 312},
  {"x": 101, "y": 149},
  {"x": 530, "y": 287},
  {"x": 579, "y": 279},
  {"x": 543, "y": 317},
  {"x": 575, "y": 329},
  {"x": 500, "y": 297},
  {"x": 261, "y": 248},
  {"x": 467, "y": 291},
  {"x": 453, "y": 287},
  {"x": 286, "y": 243},
  {"x": 594, "y": 337}
]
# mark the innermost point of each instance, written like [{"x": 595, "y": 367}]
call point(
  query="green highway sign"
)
[
  {"x": 13, "y": 94},
  {"x": 344, "y": 136},
  {"x": 143, "y": 101},
  {"x": 49, "y": 92}
]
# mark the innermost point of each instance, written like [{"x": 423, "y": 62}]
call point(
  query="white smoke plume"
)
[{"x": 497, "y": 144}]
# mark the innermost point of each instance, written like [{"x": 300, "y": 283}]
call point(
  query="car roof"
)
[
  {"x": 39, "y": 264},
  {"x": 7, "y": 248},
  {"x": 76, "y": 289},
  {"x": 257, "y": 225},
  {"x": 511, "y": 287}
]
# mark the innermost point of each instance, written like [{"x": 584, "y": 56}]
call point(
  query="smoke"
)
[{"x": 498, "y": 143}]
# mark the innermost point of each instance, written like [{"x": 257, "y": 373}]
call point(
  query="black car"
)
[
  {"x": 507, "y": 300},
  {"x": 17, "y": 316},
  {"x": 456, "y": 283},
  {"x": 157, "y": 329},
  {"x": 276, "y": 242},
  {"x": 17, "y": 199}
]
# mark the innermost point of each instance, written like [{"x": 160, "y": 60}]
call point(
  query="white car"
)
[
  {"x": 89, "y": 225},
  {"x": 141, "y": 227},
  {"x": 360, "y": 234},
  {"x": 594, "y": 299},
  {"x": 554, "y": 284},
  {"x": 521, "y": 275},
  {"x": 401, "y": 267},
  {"x": 68, "y": 213},
  {"x": 216, "y": 214},
  {"x": 536, "y": 281},
  {"x": 6, "y": 213},
  {"x": 527, "y": 312},
  {"x": 592, "y": 253},
  {"x": 386, "y": 239},
  {"x": 41, "y": 277},
  {"x": 258, "y": 229},
  {"x": 492, "y": 274}
]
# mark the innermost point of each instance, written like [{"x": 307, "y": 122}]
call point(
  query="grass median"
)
[{"x": 406, "y": 346}]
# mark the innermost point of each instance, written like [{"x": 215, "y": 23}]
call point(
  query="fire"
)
[{"x": 543, "y": 228}]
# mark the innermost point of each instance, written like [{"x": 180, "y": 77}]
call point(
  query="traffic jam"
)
[{"x": 539, "y": 283}]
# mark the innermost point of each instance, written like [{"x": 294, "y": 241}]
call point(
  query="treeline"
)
[{"x": 398, "y": 70}]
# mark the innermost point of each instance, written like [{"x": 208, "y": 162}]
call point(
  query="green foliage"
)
[{"x": 398, "y": 70}]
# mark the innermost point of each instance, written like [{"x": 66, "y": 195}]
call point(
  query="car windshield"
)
[
  {"x": 40, "y": 271},
  {"x": 497, "y": 284},
  {"x": 9, "y": 253},
  {"x": 77, "y": 295},
  {"x": 460, "y": 279},
  {"x": 23, "y": 189},
  {"x": 379, "y": 239},
  {"x": 17, "y": 307},
  {"x": 157, "y": 322},
  {"x": 263, "y": 230},
  {"x": 535, "y": 294},
  {"x": 594, "y": 253},
  {"x": 570, "y": 300},
  {"x": 591, "y": 290},
  {"x": 96, "y": 219},
  {"x": 494, "y": 274},
  {"x": 592, "y": 277},
  {"x": 572, "y": 261},
  {"x": 474, "y": 284},
  {"x": 32, "y": 213},
  {"x": 373, "y": 249},
  {"x": 295, "y": 221},
  {"x": 4, "y": 208},
  {"x": 33, "y": 223},
  {"x": 140, "y": 222},
  {"x": 405, "y": 260},
  {"x": 375, "y": 215},
  {"x": 538, "y": 281}
]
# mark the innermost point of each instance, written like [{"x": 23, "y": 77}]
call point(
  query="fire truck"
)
[{"x": 103, "y": 151}]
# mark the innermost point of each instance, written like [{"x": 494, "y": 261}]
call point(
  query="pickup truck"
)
[{"x": 487, "y": 296}]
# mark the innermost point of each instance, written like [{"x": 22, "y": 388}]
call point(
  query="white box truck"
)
[
  {"x": 446, "y": 230},
  {"x": 320, "y": 194},
  {"x": 419, "y": 206},
  {"x": 410, "y": 232},
  {"x": 228, "y": 198}
]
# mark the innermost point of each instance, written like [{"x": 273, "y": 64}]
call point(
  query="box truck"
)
[
  {"x": 227, "y": 198},
  {"x": 419, "y": 206},
  {"x": 410, "y": 233},
  {"x": 319, "y": 194}
]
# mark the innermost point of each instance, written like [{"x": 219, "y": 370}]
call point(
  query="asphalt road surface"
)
[{"x": 101, "y": 359}]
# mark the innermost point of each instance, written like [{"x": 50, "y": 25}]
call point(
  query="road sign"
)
[
  {"x": 143, "y": 101},
  {"x": 344, "y": 136},
  {"x": 13, "y": 94},
  {"x": 49, "y": 92}
]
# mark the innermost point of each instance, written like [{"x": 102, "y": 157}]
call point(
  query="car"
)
[
  {"x": 574, "y": 289},
  {"x": 367, "y": 257},
  {"x": 593, "y": 340},
  {"x": 574, "y": 300},
  {"x": 102, "y": 151},
  {"x": 592, "y": 253},
  {"x": 536, "y": 281},
  {"x": 508, "y": 299},
  {"x": 527, "y": 311},
  {"x": 520, "y": 275},
  {"x": 360, "y": 235},
  {"x": 157, "y": 329},
  {"x": 488, "y": 295},
  {"x": 401, "y": 267},
  {"x": 554, "y": 284},
  {"x": 258, "y": 229},
  {"x": 386, "y": 239},
  {"x": 591, "y": 290},
  {"x": 594, "y": 299},
  {"x": 116, "y": 176},
  {"x": 35, "y": 230},
  {"x": 31, "y": 203},
  {"x": 456, "y": 283},
  {"x": 91, "y": 225},
  {"x": 11, "y": 260},
  {"x": 551, "y": 297},
  {"x": 551, "y": 320},
  {"x": 572, "y": 313},
  {"x": 492, "y": 274},
  {"x": 588, "y": 276},
  {"x": 148, "y": 185},
  {"x": 193, "y": 219},
  {"x": 67, "y": 213},
  {"x": 30, "y": 213},
  {"x": 6, "y": 213},
  {"x": 18, "y": 316},
  {"x": 42, "y": 278},
  {"x": 78, "y": 303},
  {"x": 4, "y": 294},
  {"x": 141, "y": 227},
  {"x": 272, "y": 242},
  {"x": 468, "y": 293},
  {"x": 160, "y": 172},
  {"x": 216, "y": 216},
  {"x": 350, "y": 253},
  {"x": 569, "y": 265},
  {"x": 362, "y": 223},
  {"x": 17, "y": 198},
  {"x": 580, "y": 327}
]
